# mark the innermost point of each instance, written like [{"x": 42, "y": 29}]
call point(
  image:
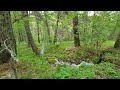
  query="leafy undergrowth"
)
[
  {"x": 33, "y": 67},
  {"x": 113, "y": 56}
]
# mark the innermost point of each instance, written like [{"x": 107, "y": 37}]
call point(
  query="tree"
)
[
  {"x": 6, "y": 30},
  {"x": 7, "y": 41},
  {"x": 75, "y": 31},
  {"x": 37, "y": 25},
  {"x": 47, "y": 25},
  {"x": 29, "y": 35},
  {"x": 117, "y": 42},
  {"x": 56, "y": 28},
  {"x": 43, "y": 16}
]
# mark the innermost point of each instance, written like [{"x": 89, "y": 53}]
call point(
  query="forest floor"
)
[{"x": 34, "y": 67}]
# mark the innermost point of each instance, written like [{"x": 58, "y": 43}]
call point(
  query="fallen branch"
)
[{"x": 10, "y": 57}]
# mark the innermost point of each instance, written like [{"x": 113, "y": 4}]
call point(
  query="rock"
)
[
  {"x": 73, "y": 65},
  {"x": 51, "y": 60},
  {"x": 85, "y": 63}
]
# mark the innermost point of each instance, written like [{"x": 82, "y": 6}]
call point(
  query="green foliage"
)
[
  {"x": 107, "y": 44},
  {"x": 107, "y": 70},
  {"x": 62, "y": 72},
  {"x": 96, "y": 28},
  {"x": 95, "y": 60},
  {"x": 94, "y": 32}
]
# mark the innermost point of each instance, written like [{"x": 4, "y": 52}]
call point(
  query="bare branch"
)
[{"x": 12, "y": 59}]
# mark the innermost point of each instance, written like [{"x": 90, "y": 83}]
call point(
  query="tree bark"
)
[
  {"x": 29, "y": 35},
  {"x": 6, "y": 30},
  {"x": 48, "y": 30},
  {"x": 37, "y": 25},
  {"x": 75, "y": 31},
  {"x": 56, "y": 28},
  {"x": 38, "y": 30},
  {"x": 117, "y": 42}
]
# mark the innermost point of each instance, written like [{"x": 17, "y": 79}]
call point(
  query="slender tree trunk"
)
[
  {"x": 38, "y": 30},
  {"x": 37, "y": 25},
  {"x": 75, "y": 31},
  {"x": 29, "y": 35},
  {"x": 19, "y": 36},
  {"x": 117, "y": 42},
  {"x": 38, "y": 36},
  {"x": 48, "y": 30},
  {"x": 56, "y": 28}
]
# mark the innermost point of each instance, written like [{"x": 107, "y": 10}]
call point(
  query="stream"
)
[{"x": 73, "y": 65}]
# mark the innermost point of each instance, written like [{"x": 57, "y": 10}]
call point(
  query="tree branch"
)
[{"x": 12, "y": 59}]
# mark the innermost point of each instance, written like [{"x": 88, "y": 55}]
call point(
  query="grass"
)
[{"x": 34, "y": 67}]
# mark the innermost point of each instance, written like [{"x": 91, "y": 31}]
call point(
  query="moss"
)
[{"x": 51, "y": 60}]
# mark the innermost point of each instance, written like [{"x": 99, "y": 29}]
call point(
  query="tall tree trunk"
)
[
  {"x": 56, "y": 28},
  {"x": 48, "y": 30},
  {"x": 6, "y": 30},
  {"x": 37, "y": 25},
  {"x": 19, "y": 36},
  {"x": 29, "y": 35},
  {"x": 46, "y": 23},
  {"x": 117, "y": 42},
  {"x": 75, "y": 31},
  {"x": 38, "y": 30}
]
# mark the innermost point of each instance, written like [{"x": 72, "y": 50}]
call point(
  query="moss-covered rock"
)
[{"x": 51, "y": 60}]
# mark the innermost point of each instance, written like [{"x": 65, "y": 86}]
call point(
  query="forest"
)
[{"x": 59, "y": 44}]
